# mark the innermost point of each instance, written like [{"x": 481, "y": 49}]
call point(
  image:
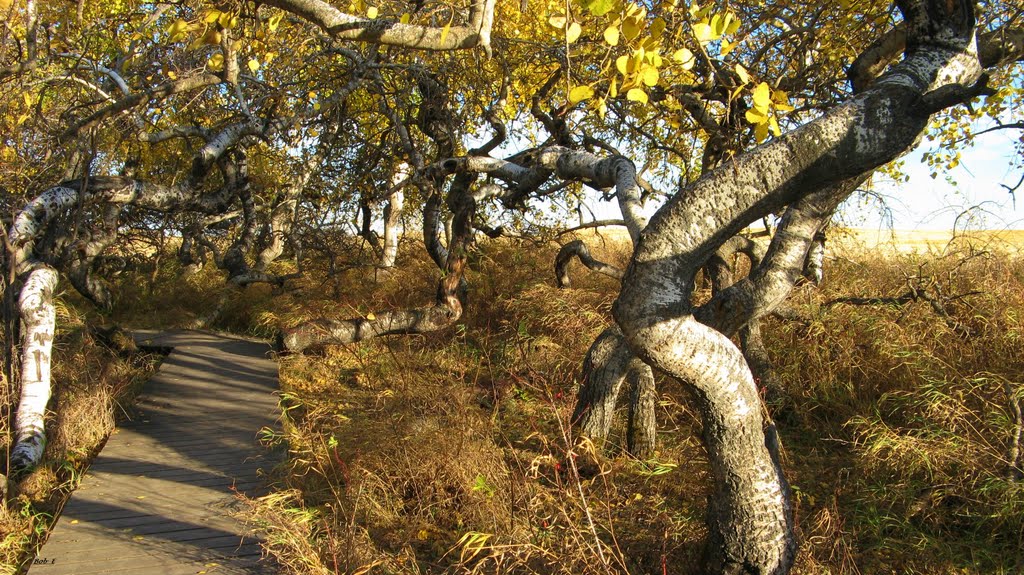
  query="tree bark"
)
[
  {"x": 392, "y": 218},
  {"x": 38, "y": 317},
  {"x": 477, "y": 32},
  {"x": 446, "y": 309},
  {"x": 642, "y": 428},
  {"x": 814, "y": 265},
  {"x": 750, "y": 527},
  {"x": 577, "y": 248}
]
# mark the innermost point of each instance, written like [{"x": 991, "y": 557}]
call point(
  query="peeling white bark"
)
[{"x": 38, "y": 324}]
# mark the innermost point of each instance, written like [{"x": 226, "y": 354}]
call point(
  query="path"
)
[{"x": 159, "y": 498}]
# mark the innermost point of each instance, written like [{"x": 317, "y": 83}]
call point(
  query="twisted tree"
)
[{"x": 248, "y": 127}]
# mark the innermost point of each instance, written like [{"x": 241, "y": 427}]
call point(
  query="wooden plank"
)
[{"x": 162, "y": 495}]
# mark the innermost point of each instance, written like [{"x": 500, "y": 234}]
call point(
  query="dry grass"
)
[
  {"x": 95, "y": 381},
  {"x": 449, "y": 452}
]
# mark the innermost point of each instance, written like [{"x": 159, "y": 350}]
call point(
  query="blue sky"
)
[{"x": 978, "y": 199}]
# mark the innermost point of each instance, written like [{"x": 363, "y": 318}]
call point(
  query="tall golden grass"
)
[{"x": 451, "y": 452}]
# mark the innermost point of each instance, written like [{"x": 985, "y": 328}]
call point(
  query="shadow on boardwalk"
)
[{"x": 161, "y": 496}]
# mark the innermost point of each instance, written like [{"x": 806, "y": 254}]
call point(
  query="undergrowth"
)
[
  {"x": 96, "y": 376},
  {"x": 451, "y": 452}
]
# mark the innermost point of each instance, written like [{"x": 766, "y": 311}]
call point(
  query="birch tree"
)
[{"x": 744, "y": 107}]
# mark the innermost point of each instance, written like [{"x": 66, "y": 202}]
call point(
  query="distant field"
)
[
  {"x": 885, "y": 240},
  {"x": 906, "y": 241}
]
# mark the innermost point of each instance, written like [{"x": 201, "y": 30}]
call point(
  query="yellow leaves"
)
[
  {"x": 557, "y": 21},
  {"x": 172, "y": 75},
  {"x": 274, "y": 21},
  {"x": 755, "y": 116},
  {"x": 649, "y": 76},
  {"x": 637, "y": 95},
  {"x": 762, "y": 96},
  {"x": 371, "y": 12},
  {"x": 702, "y": 32},
  {"x": 216, "y": 62},
  {"x": 599, "y": 7},
  {"x": 708, "y": 30},
  {"x": 572, "y": 33},
  {"x": 406, "y": 18},
  {"x": 766, "y": 106},
  {"x": 685, "y": 57},
  {"x": 177, "y": 31},
  {"x": 472, "y": 543},
  {"x": 445, "y": 31},
  {"x": 580, "y": 93},
  {"x": 781, "y": 101},
  {"x": 212, "y": 37},
  {"x": 631, "y": 28},
  {"x": 742, "y": 73},
  {"x": 225, "y": 20},
  {"x": 611, "y": 35},
  {"x": 657, "y": 28},
  {"x": 622, "y": 65},
  {"x": 254, "y": 65}
]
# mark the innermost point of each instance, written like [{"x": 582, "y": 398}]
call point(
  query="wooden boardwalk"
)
[{"x": 160, "y": 497}]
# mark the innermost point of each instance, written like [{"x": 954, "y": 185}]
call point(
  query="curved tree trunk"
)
[
  {"x": 749, "y": 521},
  {"x": 604, "y": 369},
  {"x": 642, "y": 428},
  {"x": 442, "y": 313},
  {"x": 36, "y": 294},
  {"x": 577, "y": 248},
  {"x": 101, "y": 236}
]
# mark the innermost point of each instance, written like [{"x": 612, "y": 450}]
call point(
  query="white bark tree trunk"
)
[
  {"x": 749, "y": 523},
  {"x": 392, "y": 218},
  {"x": 38, "y": 324}
]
